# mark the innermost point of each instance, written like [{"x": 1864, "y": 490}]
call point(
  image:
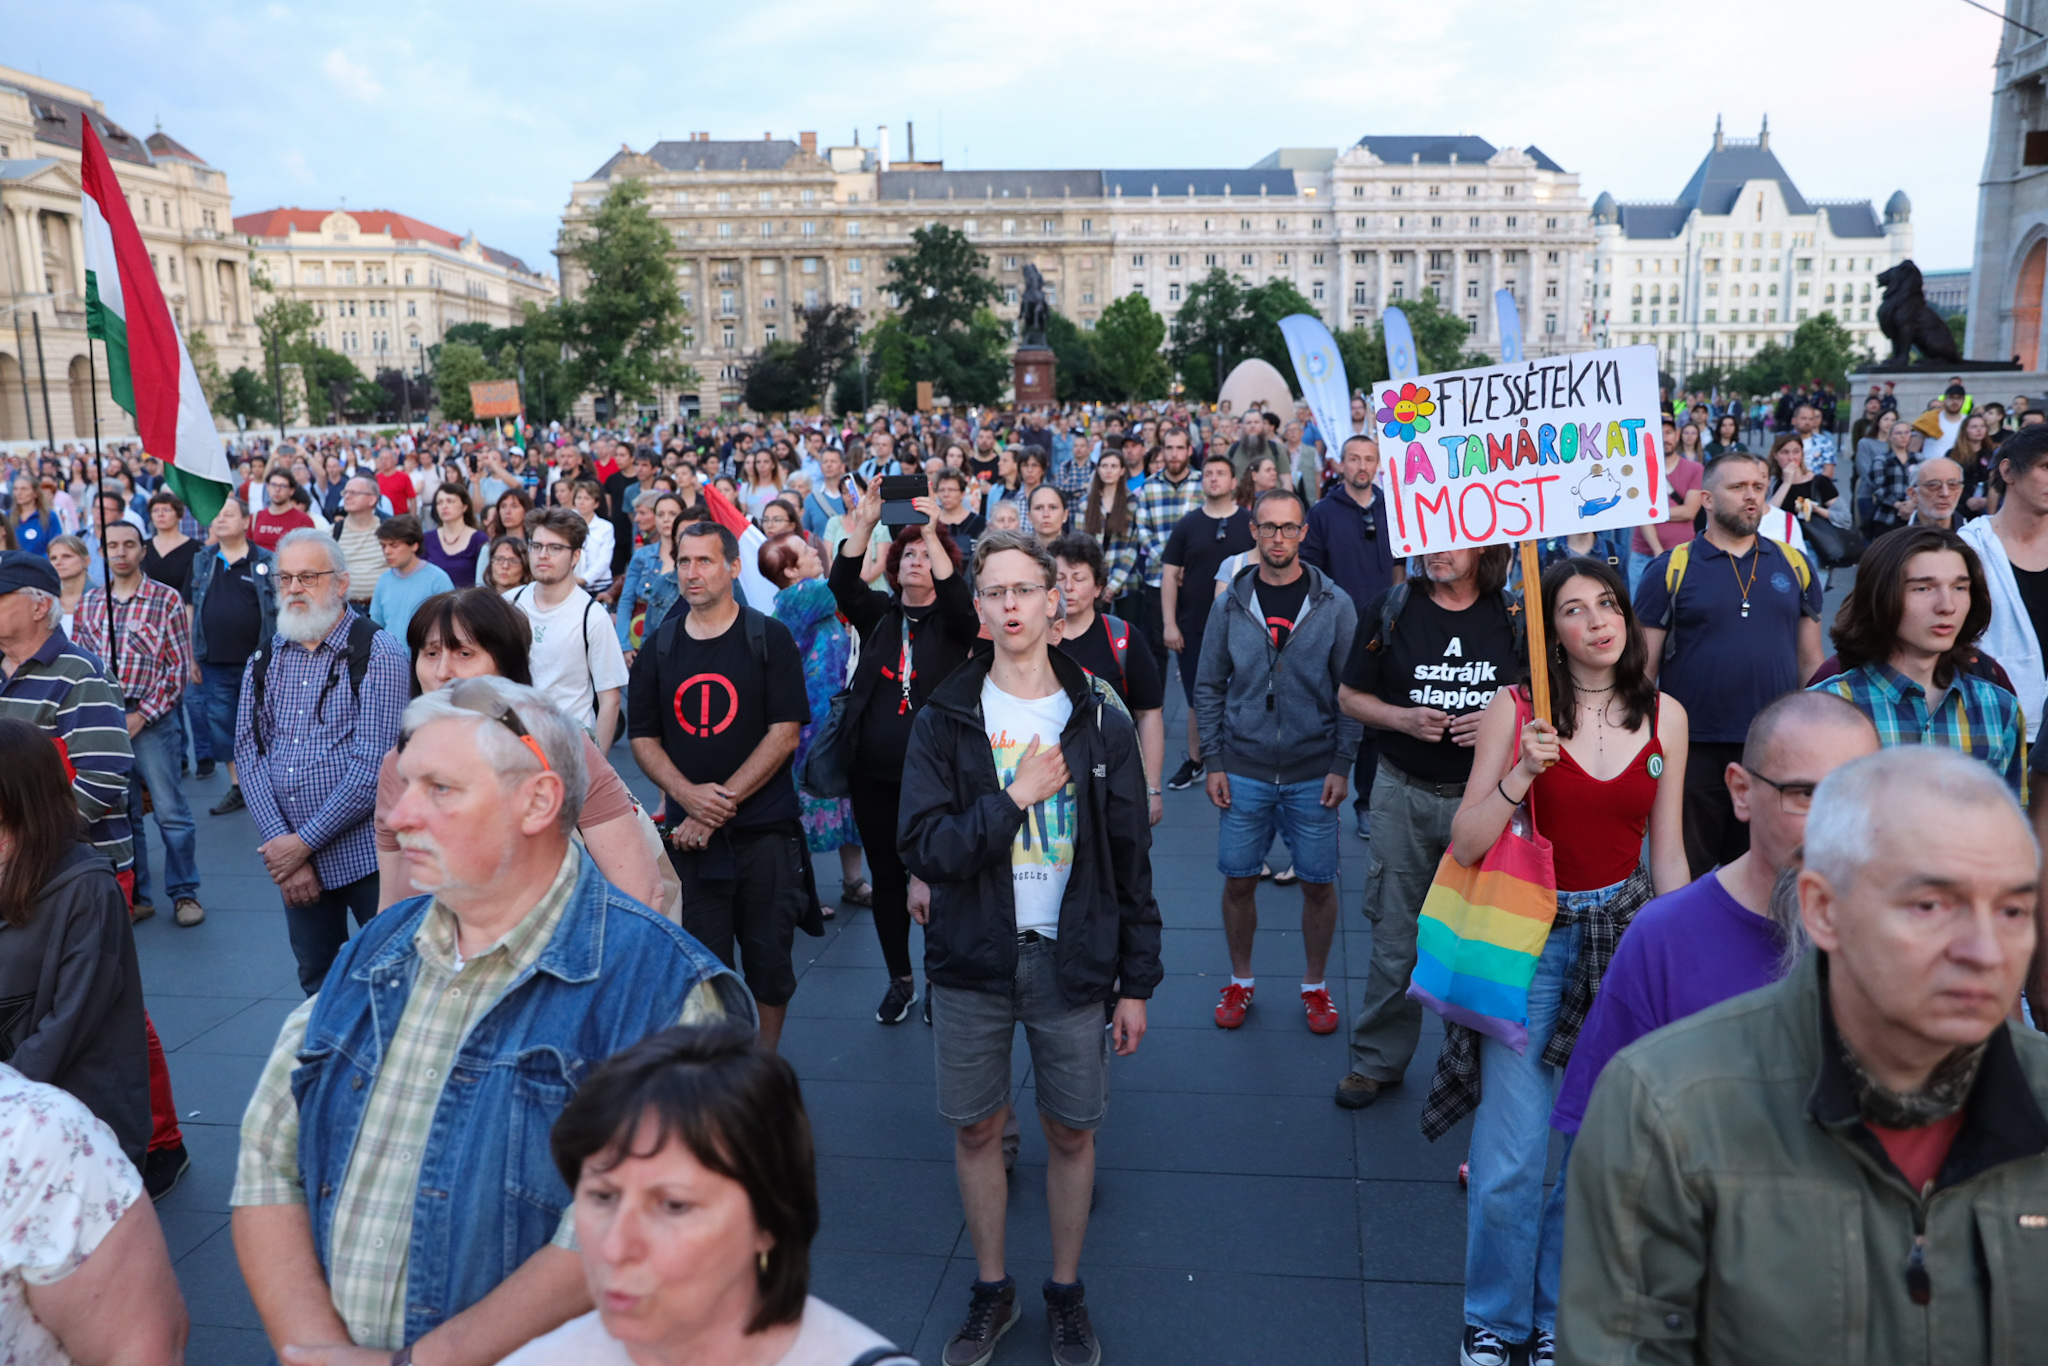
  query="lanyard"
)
[{"x": 903, "y": 669}]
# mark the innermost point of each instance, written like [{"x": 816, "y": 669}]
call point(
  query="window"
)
[
  {"x": 1471, "y": 192},
  {"x": 1280, "y": 224},
  {"x": 1550, "y": 223},
  {"x": 1009, "y": 294},
  {"x": 810, "y": 298},
  {"x": 725, "y": 301},
  {"x": 1512, "y": 258},
  {"x": 1173, "y": 258},
  {"x": 1396, "y": 191},
  {"x": 1471, "y": 289},
  {"x": 1803, "y": 263},
  {"x": 1009, "y": 263},
  {"x": 1394, "y": 293},
  {"x": 854, "y": 265},
  {"x": 1473, "y": 221},
  {"x": 1435, "y": 190},
  {"x": 1400, "y": 257},
  {"x": 1286, "y": 258},
  {"x": 1635, "y": 315},
  {"x": 1802, "y": 315},
  {"x": 767, "y": 228},
  {"x": 1359, "y": 223},
  {"x": 765, "y": 198},
  {"x": 1087, "y": 226},
  {"x": 1804, "y": 286},
  {"x": 1358, "y": 191},
  {"x": 971, "y": 226},
  {"x": 1009, "y": 227},
  {"x": 1436, "y": 220},
  {"x": 1550, "y": 258},
  {"x": 725, "y": 338},
  {"x": 809, "y": 265},
  {"x": 1048, "y": 226},
  {"x": 767, "y": 267},
  {"x": 1088, "y": 296},
  {"x": 408, "y": 277},
  {"x": 807, "y": 196},
  {"x": 1315, "y": 258},
  {"x": 1245, "y": 259},
  {"x": 412, "y": 308},
  {"x": 1514, "y": 221},
  {"x": 1359, "y": 297},
  {"x": 1173, "y": 292},
  {"x": 1358, "y": 258},
  {"x": 1550, "y": 324},
  {"x": 853, "y": 296},
  {"x": 1471, "y": 322},
  {"x": 1138, "y": 260},
  {"x": 1550, "y": 290},
  {"x": 768, "y": 333},
  {"x": 1472, "y": 258},
  {"x": 725, "y": 197},
  {"x": 1710, "y": 315},
  {"x": 1244, "y": 225},
  {"x": 725, "y": 229},
  {"x": 1209, "y": 259},
  {"x": 1439, "y": 260},
  {"x": 1315, "y": 291},
  {"x": 853, "y": 229},
  {"x": 810, "y": 228}
]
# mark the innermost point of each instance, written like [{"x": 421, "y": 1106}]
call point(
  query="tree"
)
[
  {"x": 206, "y": 364},
  {"x": 1224, "y": 322},
  {"x": 776, "y": 382},
  {"x": 247, "y": 396},
  {"x": 284, "y": 326},
  {"x": 621, "y": 332},
  {"x": 1440, "y": 338},
  {"x": 1077, "y": 374},
  {"x": 1127, "y": 341},
  {"x": 405, "y": 393},
  {"x": 330, "y": 380},
  {"x": 457, "y": 365},
  {"x": 1822, "y": 351},
  {"x": 830, "y": 340},
  {"x": 944, "y": 331},
  {"x": 529, "y": 351}
]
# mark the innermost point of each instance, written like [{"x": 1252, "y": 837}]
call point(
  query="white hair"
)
[
  {"x": 558, "y": 738},
  {"x": 328, "y": 546},
  {"x": 1841, "y": 830}
]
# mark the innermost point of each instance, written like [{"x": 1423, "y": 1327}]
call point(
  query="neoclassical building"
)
[
  {"x": 2011, "y": 265},
  {"x": 764, "y": 229},
  {"x": 1739, "y": 260},
  {"x": 181, "y": 206},
  {"x": 384, "y": 286}
]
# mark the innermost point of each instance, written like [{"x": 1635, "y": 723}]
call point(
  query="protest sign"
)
[
  {"x": 1518, "y": 452},
  {"x": 494, "y": 398}
]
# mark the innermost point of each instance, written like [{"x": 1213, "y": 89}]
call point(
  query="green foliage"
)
[
  {"x": 944, "y": 331},
  {"x": 1821, "y": 350},
  {"x": 776, "y": 382},
  {"x": 1223, "y": 322},
  {"x": 530, "y": 351},
  {"x": 831, "y": 339},
  {"x": 848, "y": 395},
  {"x": 1127, "y": 341},
  {"x": 206, "y": 364},
  {"x": 1077, "y": 372},
  {"x": 247, "y": 395},
  {"x": 331, "y": 379},
  {"x": 1440, "y": 337},
  {"x": 284, "y": 327},
  {"x": 620, "y": 334},
  {"x": 1958, "y": 323},
  {"x": 367, "y": 399},
  {"x": 457, "y": 365}
]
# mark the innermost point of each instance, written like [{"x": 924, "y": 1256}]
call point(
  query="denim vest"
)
[
  {"x": 203, "y": 565},
  {"x": 489, "y": 1196}
]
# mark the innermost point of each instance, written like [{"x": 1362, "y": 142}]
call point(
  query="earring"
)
[{"x": 761, "y": 1261}]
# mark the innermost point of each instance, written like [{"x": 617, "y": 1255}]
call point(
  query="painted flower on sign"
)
[{"x": 1406, "y": 411}]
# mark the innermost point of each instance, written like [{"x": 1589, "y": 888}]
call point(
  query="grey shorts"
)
[{"x": 973, "y": 1032}]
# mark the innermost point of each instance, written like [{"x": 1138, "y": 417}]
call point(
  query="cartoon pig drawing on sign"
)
[{"x": 1597, "y": 491}]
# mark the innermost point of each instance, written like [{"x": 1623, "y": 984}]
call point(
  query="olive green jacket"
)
[{"x": 1726, "y": 1204}]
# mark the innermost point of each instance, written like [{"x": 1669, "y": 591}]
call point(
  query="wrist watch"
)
[{"x": 1152, "y": 792}]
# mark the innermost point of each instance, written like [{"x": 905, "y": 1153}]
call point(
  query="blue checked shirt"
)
[
  {"x": 1161, "y": 505},
  {"x": 319, "y": 776},
  {"x": 1975, "y": 715}
]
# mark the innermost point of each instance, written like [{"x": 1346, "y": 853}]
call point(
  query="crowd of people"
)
[{"x": 531, "y": 1109}]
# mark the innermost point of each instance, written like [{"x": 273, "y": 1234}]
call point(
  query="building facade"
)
[
  {"x": 765, "y": 229},
  {"x": 1739, "y": 260},
  {"x": 2010, "y": 270},
  {"x": 384, "y": 287},
  {"x": 181, "y": 206}
]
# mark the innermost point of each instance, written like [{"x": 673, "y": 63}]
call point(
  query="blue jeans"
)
[
  {"x": 157, "y": 748},
  {"x": 192, "y": 713},
  {"x": 1295, "y": 810},
  {"x": 222, "y": 686},
  {"x": 1514, "y": 1233}
]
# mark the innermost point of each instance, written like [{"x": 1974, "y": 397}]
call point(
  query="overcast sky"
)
[{"x": 480, "y": 116}]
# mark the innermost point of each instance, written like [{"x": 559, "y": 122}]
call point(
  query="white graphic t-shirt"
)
[{"x": 1042, "y": 855}]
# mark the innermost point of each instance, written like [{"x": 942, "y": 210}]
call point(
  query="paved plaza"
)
[{"x": 1240, "y": 1214}]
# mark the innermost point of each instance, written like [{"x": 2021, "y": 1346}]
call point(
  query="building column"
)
[
  {"x": 1380, "y": 259},
  {"x": 1495, "y": 283},
  {"x": 71, "y": 222},
  {"x": 31, "y": 281}
]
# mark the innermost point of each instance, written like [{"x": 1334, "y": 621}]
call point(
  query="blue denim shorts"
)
[
  {"x": 973, "y": 1033},
  {"x": 1295, "y": 810}
]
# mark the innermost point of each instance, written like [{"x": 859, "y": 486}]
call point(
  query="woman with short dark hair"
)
[{"x": 695, "y": 1196}]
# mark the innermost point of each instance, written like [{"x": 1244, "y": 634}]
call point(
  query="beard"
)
[
  {"x": 307, "y": 625},
  {"x": 1737, "y": 522}
]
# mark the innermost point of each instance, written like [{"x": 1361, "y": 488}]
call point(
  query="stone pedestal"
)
[{"x": 1031, "y": 376}]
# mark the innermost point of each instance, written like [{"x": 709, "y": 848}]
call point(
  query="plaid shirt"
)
[
  {"x": 155, "y": 654},
  {"x": 62, "y": 691},
  {"x": 319, "y": 778},
  {"x": 1161, "y": 505},
  {"x": 372, "y": 1229},
  {"x": 1073, "y": 477},
  {"x": 1974, "y": 715},
  {"x": 1891, "y": 483},
  {"x": 1454, "y": 1090}
]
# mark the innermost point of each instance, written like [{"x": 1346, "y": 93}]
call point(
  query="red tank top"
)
[{"x": 1595, "y": 828}]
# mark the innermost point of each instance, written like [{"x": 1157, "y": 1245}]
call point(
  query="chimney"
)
[
  {"x": 882, "y": 146},
  {"x": 909, "y": 140},
  {"x": 767, "y": 137},
  {"x": 1763, "y": 139},
  {"x": 809, "y": 142},
  {"x": 1717, "y": 133}
]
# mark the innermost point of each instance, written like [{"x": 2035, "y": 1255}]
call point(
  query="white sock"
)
[
  {"x": 1245, "y": 982},
  {"x": 1307, "y": 987}
]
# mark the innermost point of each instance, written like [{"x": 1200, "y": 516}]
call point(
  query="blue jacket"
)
[
  {"x": 1337, "y": 543},
  {"x": 489, "y": 1196},
  {"x": 645, "y": 583},
  {"x": 202, "y": 579}
]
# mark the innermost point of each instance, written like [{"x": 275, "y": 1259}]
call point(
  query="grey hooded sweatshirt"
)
[{"x": 1271, "y": 713}]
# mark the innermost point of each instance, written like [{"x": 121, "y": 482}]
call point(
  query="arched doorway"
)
[
  {"x": 81, "y": 399},
  {"x": 2026, "y": 306}
]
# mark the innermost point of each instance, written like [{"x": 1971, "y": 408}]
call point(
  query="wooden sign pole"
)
[{"x": 1532, "y": 611}]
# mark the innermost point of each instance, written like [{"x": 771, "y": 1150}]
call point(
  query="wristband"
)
[{"x": 1504, "y": 793}]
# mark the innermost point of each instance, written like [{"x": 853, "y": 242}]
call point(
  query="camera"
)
[{"x": 897, "y": 491}]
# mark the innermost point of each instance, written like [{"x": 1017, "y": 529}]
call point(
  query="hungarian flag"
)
[{"x": 148, "y": 368}]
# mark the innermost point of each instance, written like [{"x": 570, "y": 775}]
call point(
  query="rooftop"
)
[
  {"x": 769, "y": 154},
  {"x": 1731, "y": 164},
  {"x": 1442, "y": 151},
  {"x": 277, "y": 223},
  {"x": 58, "y": 121}
]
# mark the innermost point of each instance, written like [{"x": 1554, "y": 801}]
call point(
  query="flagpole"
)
[{"x": 92, "y": 380}]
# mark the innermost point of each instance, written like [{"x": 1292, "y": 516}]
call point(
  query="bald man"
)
[{"x": 1716, "y": 937}]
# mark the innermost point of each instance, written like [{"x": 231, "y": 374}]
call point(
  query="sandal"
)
[
  {"x": 859, "y": 894},
  {"x": 826, "y": 912},
  {"x": 1287, "y": 878}
]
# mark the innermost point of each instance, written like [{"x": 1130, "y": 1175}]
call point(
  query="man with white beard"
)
[{"x": 320, "y": 709}]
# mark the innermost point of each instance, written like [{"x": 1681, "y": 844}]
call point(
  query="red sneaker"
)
[
  {"x": 1322, "y": 1015},
  {"x": 1230, "y": 1010}
]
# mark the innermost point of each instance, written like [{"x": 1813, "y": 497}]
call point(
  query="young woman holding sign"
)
[{"x": 1610, "y": 768}]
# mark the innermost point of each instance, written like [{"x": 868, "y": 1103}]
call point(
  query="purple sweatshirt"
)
[{"x": 1684, "y": 952}]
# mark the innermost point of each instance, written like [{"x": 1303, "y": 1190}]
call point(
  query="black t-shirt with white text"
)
[
  {"x": 710, "y": 702},
  {"x": 1452, "y": 661},
  {"x": 1280, "y": 604},
  {"x": 1138, "y": 682}
]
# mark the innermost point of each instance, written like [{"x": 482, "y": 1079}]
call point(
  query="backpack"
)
[
  {"x": 1397, "y": 598},
  {"x": 1681, "y": 559},
  {"x": 590, "y": 601},
  {"x": 756, "y": 624},
  {"x": 361, "y": 633},
  {"x": 1119, "y": 646}
]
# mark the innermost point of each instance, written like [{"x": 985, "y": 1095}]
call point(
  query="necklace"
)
[{"x": 1742, "y": 587}]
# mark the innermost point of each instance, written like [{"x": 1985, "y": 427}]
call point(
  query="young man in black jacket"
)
[{"x": 1024, "y": 808}]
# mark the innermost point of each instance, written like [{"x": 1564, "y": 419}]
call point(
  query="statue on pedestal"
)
[
  {"x": 1910, "y": 321},
  {"x": 1032, "y": 313}
]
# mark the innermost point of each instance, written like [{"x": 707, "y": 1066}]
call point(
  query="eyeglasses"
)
[
  {"x": 1797, "y": 798},
  {"x": 548, "y": 548},
  {"x": 1944, "y": 485},
  {"x": 995, "y": 594},
  {"x": 1286, "y": 531},
  {"x": 310, "y": 579}
]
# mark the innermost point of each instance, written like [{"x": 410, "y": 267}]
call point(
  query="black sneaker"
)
[
  {"x": 1481, "y": 1348},
  {"x": 1543, "y": 1348},
  {"x": 206, "y": 767},
  {"x": 1066, "y": 1316},
  {"x": 895, "y": 1007},
  {"x": 1186, "y": 776},
  {"x": 161, "y": 1168},
  {"x": 992, "y": 1312},
  {"x": 232, "y": 802},
  {"x": 927, "y": 1004}
]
